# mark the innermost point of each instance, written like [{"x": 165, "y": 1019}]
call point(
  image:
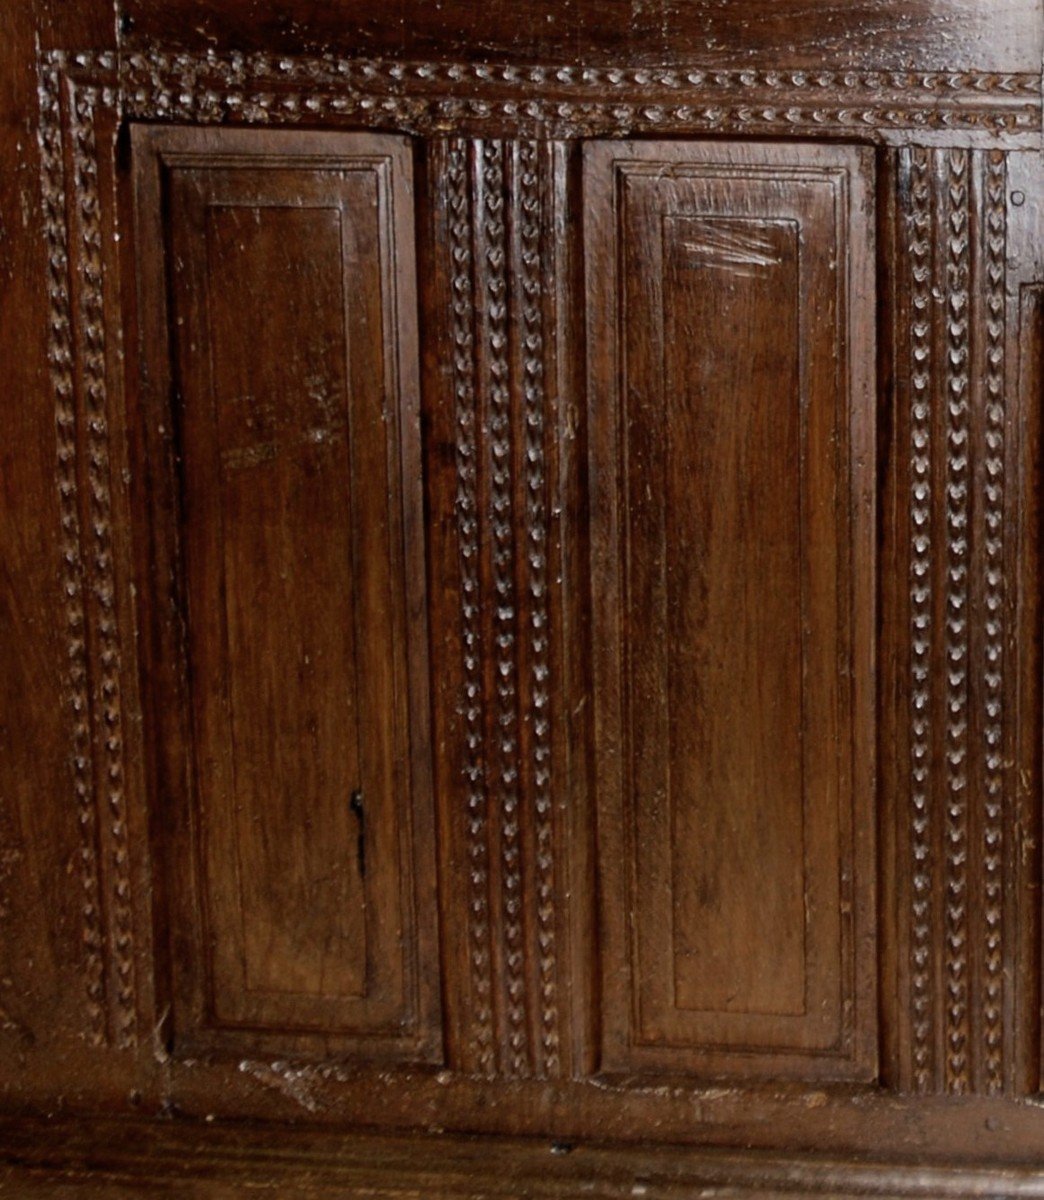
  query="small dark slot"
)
[{"x": 356, "y": 805}]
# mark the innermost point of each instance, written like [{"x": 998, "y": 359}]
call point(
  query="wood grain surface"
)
[
  {"x": 521, "y": 621},
  {"x": 298, "y": 834},
  {"x": 895, "y": 34},
  {"x": 731, "y": 364}
]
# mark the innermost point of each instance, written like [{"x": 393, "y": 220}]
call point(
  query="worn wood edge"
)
[{"x": 38, "y": 1152}]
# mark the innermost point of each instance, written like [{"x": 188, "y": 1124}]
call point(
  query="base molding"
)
[{"x": 117, "y": 1159}]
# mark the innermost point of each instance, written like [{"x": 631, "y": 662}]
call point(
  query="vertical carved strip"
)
[
  {"x": 957, "y": 617},
  {"x": 468, "y": 536},
  {"x": 77, "y": 687},
  {"x": 505, "y": 667},
  {"x": 77, "y": 350},
  {"x": 109, "y": 708},
  {"x": 992, "y": 666},
  {"x": 535, "y": 403},
  {"x": 498, "y": 197},
  {"x": 920, "y": 614},
  {"x": 960, "y": 815},
  {"x": 98, "y": 548}
]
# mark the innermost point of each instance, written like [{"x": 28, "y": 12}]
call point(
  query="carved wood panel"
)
[
  {"x": 730, "y": 400},
  {"x": 526, "y": 959},
  {"x": 294, "y": 773}
]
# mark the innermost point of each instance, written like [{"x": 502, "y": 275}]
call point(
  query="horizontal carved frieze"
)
[{"x": 428, "y": 96}]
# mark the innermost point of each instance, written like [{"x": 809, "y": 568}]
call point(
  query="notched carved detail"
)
[
  {"x": 955, "y": 821},
  {"x": 957, "y": 615},
  {"x": 559, "y": 101},
  {"x": 993, "y": 658},
  {"x": 60, "y": 350},
  {"x": 106, "y": 640},
  {"x": 496, "y": 207},
  {"x": 493, "y": 307},
  {"x": 920, "y": 606},
  {"x": 531, "y": 246},
  {"x": 77, "y": 351},
  {"x": 467, "y": 513}
]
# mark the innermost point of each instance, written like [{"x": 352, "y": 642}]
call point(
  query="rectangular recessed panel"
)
[
  {"x": 730, "y": 328},
  {"x": 731, "y": 430},
  {"x": 276, "y": 592},
  {"x": 292, "y": 406}
]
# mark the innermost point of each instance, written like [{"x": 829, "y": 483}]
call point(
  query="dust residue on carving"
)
[
  {"x": 295, "y": 1083},
  {"x": 262, "y": 430}
]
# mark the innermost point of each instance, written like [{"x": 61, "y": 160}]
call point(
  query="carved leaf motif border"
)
[
  {"x": 960, "y": 823},
  {"x": 428, "y": 99},
  {"x": 554, "y": 101},
  {"x": 77, "y": 349},
  {"x": 499, "y": 214}
]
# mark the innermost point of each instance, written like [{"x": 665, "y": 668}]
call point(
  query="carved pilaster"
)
[
  {"x": 77, "y": 347},
  {"x": 954, "y": 808},
  {"x": 492, "y": 231}
]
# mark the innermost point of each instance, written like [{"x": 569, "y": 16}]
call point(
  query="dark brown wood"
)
[
  {"x": 116, "y": 1159},
  {"x": 496, "y": 267},
  {"x": 963, "y": 994},
  {"x": 893, "y": 34},
  {"x": 296, "y": 776},
  {"x": 1024, "y": 348},
  {"x": 522, "y": 609},
  {"x": 731, "y": 352}
]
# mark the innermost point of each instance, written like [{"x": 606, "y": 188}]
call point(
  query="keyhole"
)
[{"x": 356, "y": 805}]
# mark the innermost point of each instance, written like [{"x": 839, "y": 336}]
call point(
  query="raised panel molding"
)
[
  {"x": 286, "y": 670},
  {"x": 730, "y": 405}
]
